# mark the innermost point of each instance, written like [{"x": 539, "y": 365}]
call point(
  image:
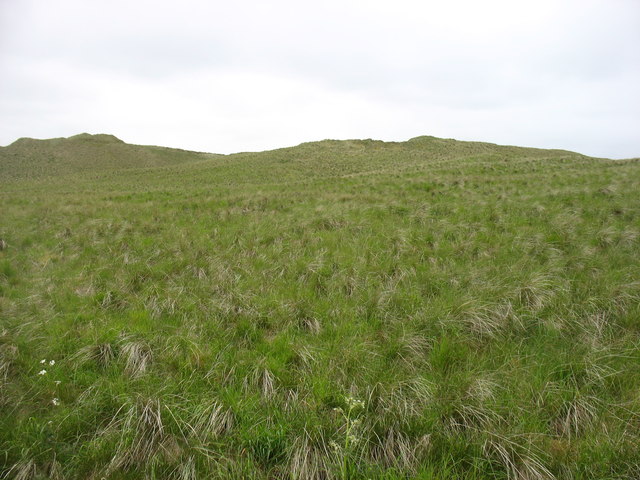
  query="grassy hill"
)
[
  {"x": 31, "y": 158},
  {"x": 429, "y": 309}
]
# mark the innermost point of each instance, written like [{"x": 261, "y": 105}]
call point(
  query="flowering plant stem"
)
[{"x": 350, "y": 439}]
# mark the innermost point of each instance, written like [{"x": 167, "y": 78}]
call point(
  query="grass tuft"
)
[{"x": 136, "y": 355}]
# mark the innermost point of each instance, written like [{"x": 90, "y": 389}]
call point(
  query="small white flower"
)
[
  {"x": 56, "y": 401},
  {"x": 42, "y": 372},
  {"x": 52, "y": 362},
  {"x": 43, "y": 361}
]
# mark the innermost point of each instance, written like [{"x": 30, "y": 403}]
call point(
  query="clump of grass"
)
[
  {"x": 211, "y": 421},
  {"x": 8, "y": 355},
  {"x": 102, "y": 354},
  {"x": 262, "y": 380},
  {"x": 519, "y": 462},
  {"x": 23, "y": 470},
  {"x": 311, "y": 325},
  {"x": 141, "y": 433},
  {"x": 395, "y": 450},
  {"x": 576, "y": 415},
  {"x": 137, "y": 356},
  {"x": 310, "y": 460}
]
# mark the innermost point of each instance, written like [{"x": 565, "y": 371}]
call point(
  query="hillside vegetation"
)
[
  {"x": 429, "y": 309},
  {"x": 28, "y": 158}
]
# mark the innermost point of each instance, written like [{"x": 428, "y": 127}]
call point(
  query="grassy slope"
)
[
  {"x": 28, "y": 158},
  {"x": 213, "y": 315}
]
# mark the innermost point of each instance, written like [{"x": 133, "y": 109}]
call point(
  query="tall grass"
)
[{"x": 429, "y": 309}]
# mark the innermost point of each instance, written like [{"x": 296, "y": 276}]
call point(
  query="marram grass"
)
[{"x": 426, "y": 310}]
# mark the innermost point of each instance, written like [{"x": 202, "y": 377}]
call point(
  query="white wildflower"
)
[
  {"x": 52, "y": 362},
  {"x": 42, "y": 372},
  {"x": 56, "y": 401},
  {"x": 43, "y": 361}
]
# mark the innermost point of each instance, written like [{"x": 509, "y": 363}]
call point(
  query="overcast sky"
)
[{"x": 229, "y": 76}]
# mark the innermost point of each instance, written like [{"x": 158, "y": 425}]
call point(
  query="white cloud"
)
[{"x": 248, "y": 75}]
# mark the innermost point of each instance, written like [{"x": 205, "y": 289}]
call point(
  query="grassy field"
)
[{"x": 430, "y": 309}]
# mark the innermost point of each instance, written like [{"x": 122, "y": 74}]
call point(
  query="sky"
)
[{"x": 221, "y": 76}]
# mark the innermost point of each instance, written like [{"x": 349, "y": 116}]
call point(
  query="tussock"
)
[
  {"x": 467, "y": 417},
  {"x": 141, "y": 432},
  {"x": 261, "y": 379},
  {"x": 311, "y": 462},
  {"x": 8, "y": 354},
  {"x": 576, "y": 416},
  {"x": 538, "y": 291},
  {"x": 482, "y": 389},
  {"x": 311, "y": 325},
  {"x": 519, "y": 462},
  {"x": 308, "y": 357},
  {"x": 487, "y": 320},
  {"x": 396, "y": 450},
  {"x": 103, "y": 354},
  {"x": 211, "y": 421},
  {"x": 186, "y": 470},
  {"x": 408, "y": 399},
  {"x": 23, "y": 470},
  {"x": 136, "y": 355},
  {"x": 55, "y": 470}
]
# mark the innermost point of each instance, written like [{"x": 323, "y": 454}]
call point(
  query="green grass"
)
[{"x": 216, "y": 316}]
